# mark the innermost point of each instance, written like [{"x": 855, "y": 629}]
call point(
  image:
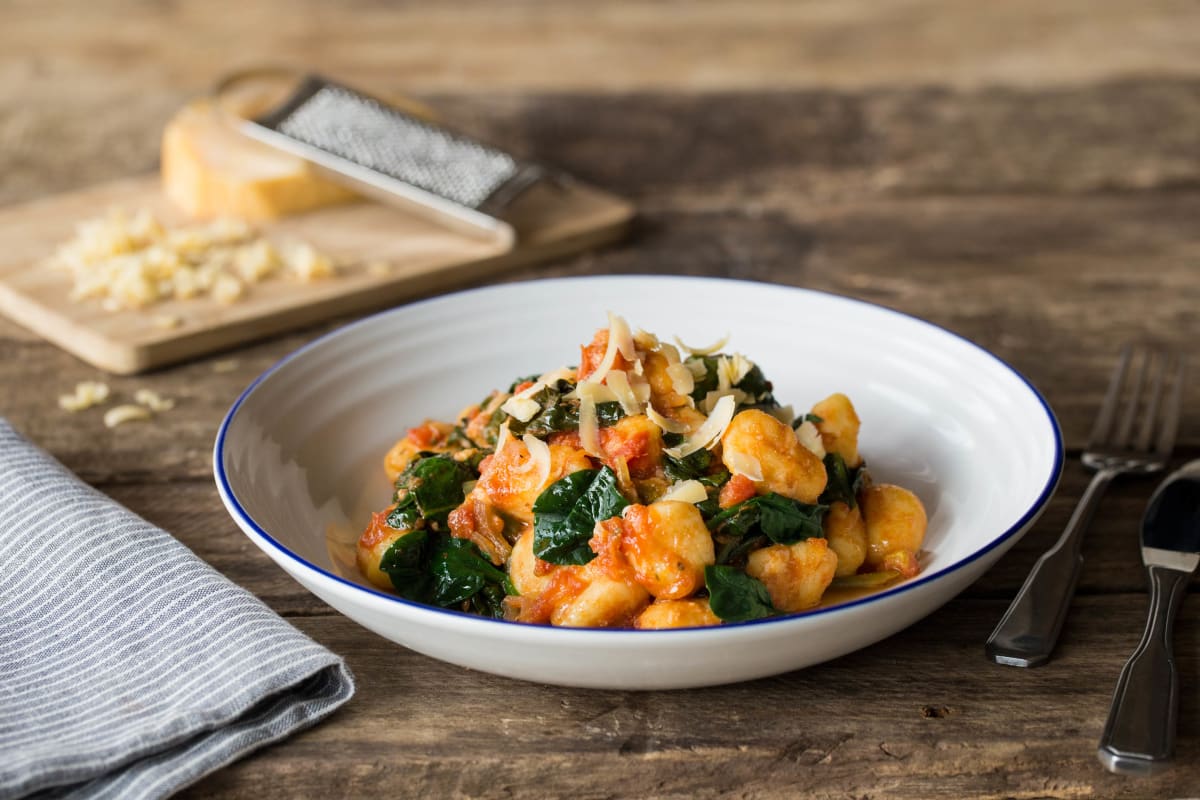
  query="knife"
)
[{"x": 1139, "y": 737}]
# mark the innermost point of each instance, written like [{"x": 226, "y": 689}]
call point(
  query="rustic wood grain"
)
[
  {"x": 889, "y": 721},
  {"x": 1025, "y": 174}
]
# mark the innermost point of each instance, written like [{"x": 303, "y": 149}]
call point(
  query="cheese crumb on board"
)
[
  {"x": 130, "y": 261},
  {"x": 86, "y": 395}
]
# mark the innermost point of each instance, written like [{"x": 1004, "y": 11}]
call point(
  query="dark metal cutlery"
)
[
  {"x": 1139, "y": 736},
  {"x": 1134, "y": 433}
]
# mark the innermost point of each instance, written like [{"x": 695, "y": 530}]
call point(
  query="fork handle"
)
[
  {"x": 1029, "y": 629},
  {"x": 1139, "y": 736}
]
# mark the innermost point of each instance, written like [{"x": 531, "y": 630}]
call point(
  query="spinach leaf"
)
[
  {"x": 756, "y": 385},
  {"x": 809, "y": 417},
  {"x": 709, "y": 382},
  {"x": 785, "y": 521},
  {"x": 716, "y": 480},
  {"x": 429, "y": 489},
  {"x": 736, "y": 597},
  {"x": 403, "y": 563},
  {"x": 560, "y": 414},
  {"x": 459, "y": 571},
  {"x": 491, "y": 431},
  {"x": 688, "y": 467},
  {"x": 843, "y": 483},
  {"x": 567, "y": 511},
  {"x": 779, "y": 518},
  {"x": 489, "y": 601}
]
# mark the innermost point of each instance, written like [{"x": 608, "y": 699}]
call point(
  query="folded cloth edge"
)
[{"x": 165, "y": 749}]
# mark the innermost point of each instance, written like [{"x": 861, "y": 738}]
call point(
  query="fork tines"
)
[{"x": 1147, "y": 385}]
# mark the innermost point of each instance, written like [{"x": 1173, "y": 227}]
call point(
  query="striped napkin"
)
[{"x": 128, "y": 667}]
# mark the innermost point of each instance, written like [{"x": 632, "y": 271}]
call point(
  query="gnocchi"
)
[{"x": 651, "y": 487}]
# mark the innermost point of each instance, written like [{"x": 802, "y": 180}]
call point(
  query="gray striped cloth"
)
[{"x": 128, "y": 667}]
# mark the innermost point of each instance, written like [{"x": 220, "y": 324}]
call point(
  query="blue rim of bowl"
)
[{"x": 241, "y": 515}]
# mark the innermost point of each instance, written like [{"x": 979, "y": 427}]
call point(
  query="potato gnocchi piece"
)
[
  {"x": 668, "y": 546},
  {"x": 662, "y": 614},
  {"x": 895, "y": 524},
  {"x": 373, "y": 546},
  {"x": 796, "y": 575},
  {"x": 603, "y": 603},
  {"x": 787, "y": 467},
  {"x": 430, "y": 436},
  {"x": 839, "y": 427},
  {"x": 512, "y": 482},
  {"x": 847, "y": 537}
]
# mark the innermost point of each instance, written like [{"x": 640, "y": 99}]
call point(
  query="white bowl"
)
[{"x": 298, "y": 457}]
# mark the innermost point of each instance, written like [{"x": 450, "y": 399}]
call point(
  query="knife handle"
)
[
  {"x": 1139, "y": 737},
  {"x": 1026, "y": 635}
]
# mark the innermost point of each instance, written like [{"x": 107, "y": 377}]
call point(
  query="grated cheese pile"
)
[{"x": 129, "y": 261}]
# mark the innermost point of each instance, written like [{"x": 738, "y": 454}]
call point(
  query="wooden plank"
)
[
  {"x": 418, "y": 257},
  {"x": 612, "y": 46},
  {"x": 819, "y": 144},
  {"x": 921, "y": 715}
]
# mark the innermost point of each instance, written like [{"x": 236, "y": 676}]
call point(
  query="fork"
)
[{"x": 1141, "y": 385}]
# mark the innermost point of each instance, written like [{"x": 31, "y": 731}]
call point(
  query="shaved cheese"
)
[
  {"x": 686, "y": 492},
  {"x": 86, "y": 395},
  {"x": 669, "y": 353},
  {"x": 703, "y": 351},
  {"x": 618, "y": 329},
  {"x": 668, "y": 425},
  {"x": 682, "y": 380},
  {"x": 723, "y": 375},
  {"x": 589, "y": 425},
  {"x": 551, "y": 377},
  {"x": 619, "y": 383},
  {"x": 153, "y": 400},
  {"x": 502, "y": 437},
  {"x": 641, "y": 390},
  {"x": 735, "y": 367},
  {"x": 521, "y": 408},
  {"x": 119, "y": 415},
  {"x": 539, "y": 458},
  {"x": 785, "y": 414},
  {"x": 697, "y": 367},
  {"x": 712, "y": 398},
  {"x": 808, "y": 436},
  {"x": 645, "y": 340},
  {"x": 743, "y": 464},
  {"x": 619, "y": 340},
  {"x": 708, "y": 433},
  {"x": 596, "y": 392},
  {"x": 555, "y": 375}
]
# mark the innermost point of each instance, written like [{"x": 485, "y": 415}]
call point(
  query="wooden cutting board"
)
[{"x": 421, "y": 256}]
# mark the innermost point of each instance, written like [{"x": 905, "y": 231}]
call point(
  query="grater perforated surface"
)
[{"x": 362, "y": 130}]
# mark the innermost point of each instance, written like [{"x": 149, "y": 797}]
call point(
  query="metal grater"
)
[{"x": 395, "y": 156}]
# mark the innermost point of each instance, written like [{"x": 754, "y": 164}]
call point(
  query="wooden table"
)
[{"x": 1026, "y": 175}]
